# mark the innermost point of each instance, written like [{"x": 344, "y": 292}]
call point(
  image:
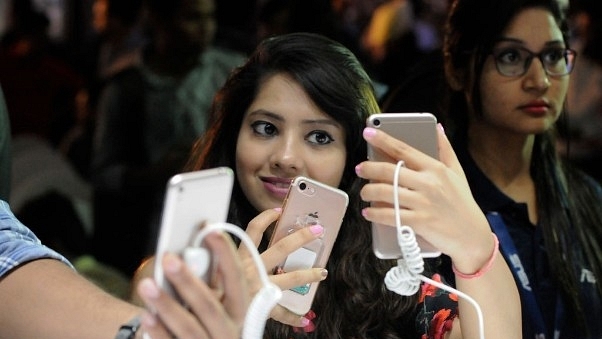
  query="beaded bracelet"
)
[{"x": 485, "y": 267}]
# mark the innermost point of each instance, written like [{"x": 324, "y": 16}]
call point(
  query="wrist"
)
[{"x": 485, "y": 268}]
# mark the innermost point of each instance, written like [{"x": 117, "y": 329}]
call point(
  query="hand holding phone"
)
[
  {"x": 418, "y": 130},
  {"x": 192, "y": 199},
  {"x": 307, "y": 203}
]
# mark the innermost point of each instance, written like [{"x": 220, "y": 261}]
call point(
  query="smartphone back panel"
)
[
  {"x": 419, "y": 130},
  {"x": 308, "y": 202},
  {"x": 191, "y": 199}
]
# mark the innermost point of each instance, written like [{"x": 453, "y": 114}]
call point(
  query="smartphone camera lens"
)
[
  {"x": 376, "y": 122},
  {"x": 302, "y": 186}
]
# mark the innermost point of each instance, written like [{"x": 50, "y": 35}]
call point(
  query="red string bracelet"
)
[{"x": 485, "y": 267}]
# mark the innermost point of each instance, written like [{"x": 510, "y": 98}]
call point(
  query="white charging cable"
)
[
  {"x": 404, "y": 279},
  {"x": 269, "y": 295}
]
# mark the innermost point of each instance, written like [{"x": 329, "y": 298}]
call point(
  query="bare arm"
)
[{"x": 47, "y": 299}]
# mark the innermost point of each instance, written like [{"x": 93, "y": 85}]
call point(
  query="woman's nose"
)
[
  {"x": 537, "y": 76},
  {"x": 288, "y": 156}
]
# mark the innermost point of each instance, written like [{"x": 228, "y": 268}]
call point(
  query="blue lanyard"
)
[{"x": 512, "y": 258}]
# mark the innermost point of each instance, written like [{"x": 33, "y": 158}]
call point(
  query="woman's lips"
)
[
  {"x": 536, "y": 108},
  {"x": 277, "y": 186}
]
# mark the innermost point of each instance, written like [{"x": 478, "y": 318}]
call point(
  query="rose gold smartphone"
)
[
  {"x": 307, "y": 203},
  {"x": 418, "y": 130},
  {"x": 192, "y": 199}
]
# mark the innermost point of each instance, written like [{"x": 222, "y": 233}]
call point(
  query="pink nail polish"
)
[
  {"x": 305, "y": 321},
  {"x": 358, "y": 169},
  {"x": 316, "y": 229},
  {"x": 278, "y": 209},
  {"x": 441, "y": 127},
  {"x": 369, "y": 132}
]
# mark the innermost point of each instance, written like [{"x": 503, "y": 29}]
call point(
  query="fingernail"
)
[
  {"x": 171, "y": 263},
  {"x": 324, "y": 273},
  {"x": 369, "y": 132},
  {"x": 358, "y": 168},
  {"x": 305, "y": 321},
  {"x": 441, "y": 127},
  {"x": 278, "y": 209},
  {"x": 148, "y": 288},
  {"x": 316, "y": 229}
]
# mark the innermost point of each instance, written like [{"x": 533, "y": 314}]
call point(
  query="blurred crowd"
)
[{"x": 104, "y": 109}]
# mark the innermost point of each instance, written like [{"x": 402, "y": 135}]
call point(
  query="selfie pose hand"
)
[
  {"x": 435, "y": 200},
  {"x": 276, "y": 254}
]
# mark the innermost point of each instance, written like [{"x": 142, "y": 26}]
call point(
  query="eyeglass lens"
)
[{"x": 515, "y": 61}]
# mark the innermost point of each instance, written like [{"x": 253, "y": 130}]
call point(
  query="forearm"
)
[
  {"x": 496, "y": 293},
  {"x": 46, "y": 299}
]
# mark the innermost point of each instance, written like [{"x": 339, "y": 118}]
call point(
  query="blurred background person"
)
[
  {"x": 148, "y": 116},
  {"x": 582, "y": 138}
]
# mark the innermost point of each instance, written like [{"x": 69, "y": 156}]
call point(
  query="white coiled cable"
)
[
  {"x": 264, "y": 301},
  {"x": 404, "y": 279}
]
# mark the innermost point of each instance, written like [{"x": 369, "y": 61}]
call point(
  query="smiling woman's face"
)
[{"x": 283, "y": 135}]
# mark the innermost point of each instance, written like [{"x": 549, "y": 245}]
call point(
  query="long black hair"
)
[
  {"x": 353, "y": 301},
  {"x": 568, "y": 202}
]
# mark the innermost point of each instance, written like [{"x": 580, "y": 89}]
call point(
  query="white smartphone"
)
[
  {"x": 308, "y": 202},
  {"x": 192, "y": 199},
  {"x": 419, "y": 130}
]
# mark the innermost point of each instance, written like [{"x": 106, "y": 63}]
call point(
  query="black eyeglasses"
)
[{"x": 515, "y": 61}]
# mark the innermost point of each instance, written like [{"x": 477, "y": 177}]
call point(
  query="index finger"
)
[
  {"x": 256, "y": 228},
  {"x": 396, "y": 149}
]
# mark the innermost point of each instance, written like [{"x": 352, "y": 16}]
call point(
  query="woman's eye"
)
[
  {"x": 509, "y": 56},
  {"x": 263, "y": 128},
  {"x": 320, "y": 137},
  {"x": 553, "y": 56}
]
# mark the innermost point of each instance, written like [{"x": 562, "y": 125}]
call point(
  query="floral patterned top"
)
[{"x": 437, "y": 310}]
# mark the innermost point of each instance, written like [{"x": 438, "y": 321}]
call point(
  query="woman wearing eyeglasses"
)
[{"x": 507, "y": 69}]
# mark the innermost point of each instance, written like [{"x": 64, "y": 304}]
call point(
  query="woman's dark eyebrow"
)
[
  {"x": 508, "y": 39},
  {"x": 274, "y": 116},
  {"x": 521, "y": 42},
  {"x": 268, "y": 114},
  {"x": 321, "y": 121}
]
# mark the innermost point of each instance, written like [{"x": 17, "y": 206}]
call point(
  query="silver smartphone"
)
[
  {"x": 307, "y": 203},
  {"x": 419, "y": 130},
  {"x": 192, "y": 200}
]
